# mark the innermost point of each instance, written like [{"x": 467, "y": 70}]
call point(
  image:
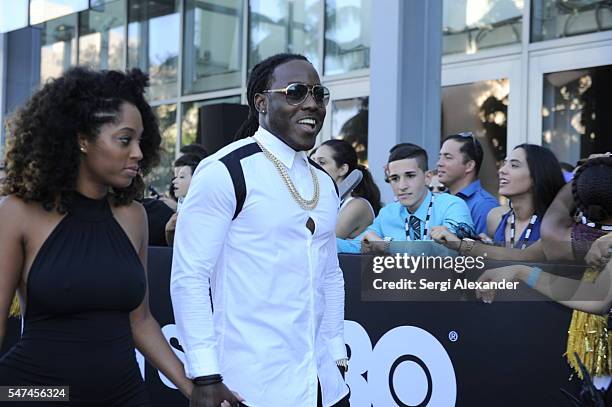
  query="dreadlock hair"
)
[
  {"x": 545, "y": 173},
  {"x": 259, "y": 80},
  {"x": 344, "y": 153},
  {"x": 591, "y": 189}
]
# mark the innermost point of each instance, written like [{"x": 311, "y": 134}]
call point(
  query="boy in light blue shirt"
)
[{"x": 416, "y": 210}]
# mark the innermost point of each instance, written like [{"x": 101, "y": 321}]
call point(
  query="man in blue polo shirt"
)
[
  {"x": 458, "y": 166},
  {"x": 416, "y": 210}
]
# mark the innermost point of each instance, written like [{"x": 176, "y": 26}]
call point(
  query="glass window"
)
[
  {"x": 57, "y": 46},
  {"x": 212, "y": 45},
  {"x": 153, "y": 43},
  {"x": 190, "y": 125},
  {"x": 45, "y": 10},
  {"x": 350, "y": 122},
  {"x": 576, "y": 106},
  {"x": 101, "y": 36},
  {"x": 161, "y": 176},
  {"x": 13, "y": 15},
  {"x": 561, "y": 18},
  {"x": 482, "y": 108},
  {"x": 347, "y": 35},
  {"x": 284, "y": 26},
  {"x": 472, "y": 25}
]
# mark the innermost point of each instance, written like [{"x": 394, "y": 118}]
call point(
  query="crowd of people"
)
[{"x": 256, "y": 228}]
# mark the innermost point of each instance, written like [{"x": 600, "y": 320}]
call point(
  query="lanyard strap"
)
[
  {"x": 600, "y": 226},
  {"x": 429, "y": 211},
  {"x": 532, "y": 221}
]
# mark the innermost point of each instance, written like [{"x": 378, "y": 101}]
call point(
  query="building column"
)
[
  {"x": 405, "y": 66},
  {"x": 20, "y": 70}
]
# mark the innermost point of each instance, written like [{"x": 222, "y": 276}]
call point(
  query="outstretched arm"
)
[
  {"x": 592, "y": 297},
  {"x": 556, "y": 226},
  {"x": 442, "y": 235}
]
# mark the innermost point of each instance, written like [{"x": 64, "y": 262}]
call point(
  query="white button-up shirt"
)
[{"x": 277, "y": 289}]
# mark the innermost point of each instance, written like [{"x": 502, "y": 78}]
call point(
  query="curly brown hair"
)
[{"x": 43, "y": 157}]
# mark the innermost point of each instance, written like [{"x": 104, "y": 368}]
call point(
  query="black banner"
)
[{"x": 462, "y": 353}]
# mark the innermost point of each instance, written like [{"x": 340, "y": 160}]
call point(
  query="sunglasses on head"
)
[
  {"x": 296, "y": 93},
  {"x": 468, "y": 134}
]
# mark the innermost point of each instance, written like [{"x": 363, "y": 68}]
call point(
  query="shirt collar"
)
[
  {"x": 470, "y": 189},
  {"x": 421, "y": 212},
  {"x": 278, "y": 148}
]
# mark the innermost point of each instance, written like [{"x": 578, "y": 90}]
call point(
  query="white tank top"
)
[{"x": 350, "y": 198}]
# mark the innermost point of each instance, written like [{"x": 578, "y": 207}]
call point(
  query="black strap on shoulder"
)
[
  {"x": 314, "y": 164},
  {"x": 234, "y": 167}
]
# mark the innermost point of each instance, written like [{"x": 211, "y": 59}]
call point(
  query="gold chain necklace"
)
[{"x": 305, "y": 204}]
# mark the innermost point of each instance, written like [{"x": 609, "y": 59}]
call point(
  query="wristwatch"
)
[{"x": 466, "y": 245}]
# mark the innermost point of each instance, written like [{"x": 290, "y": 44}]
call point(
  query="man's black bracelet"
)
[{"x": 207, "y": 380}]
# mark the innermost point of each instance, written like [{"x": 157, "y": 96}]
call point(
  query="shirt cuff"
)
[
  {"x": 348, "y": 246},
  {"x": 202, "y": 362},
  {"x": 337, "y": 349}
]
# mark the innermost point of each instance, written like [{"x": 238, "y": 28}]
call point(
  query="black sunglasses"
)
[{"x": 296, "y": 93}]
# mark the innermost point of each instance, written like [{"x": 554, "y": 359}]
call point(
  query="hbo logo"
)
[{"x": 407, "y": 367}]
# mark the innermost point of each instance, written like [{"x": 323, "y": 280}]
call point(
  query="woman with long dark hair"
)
[
  {"x": 529, "y": 178},
  {"x": 338, "y": 158}
]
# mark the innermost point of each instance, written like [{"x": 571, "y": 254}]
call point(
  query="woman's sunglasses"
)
[{"x": 296, "y": 93}]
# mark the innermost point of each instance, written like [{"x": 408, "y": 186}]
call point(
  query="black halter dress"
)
[{"x": 82, "y": 285}]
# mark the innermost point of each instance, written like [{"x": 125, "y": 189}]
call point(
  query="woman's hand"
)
[
  {"x": 600, "y": 252},
  {"x": 441, "y": 234},
  {"x": 508, "y": 273},
  {"x": 186, "y": 388},
  {"x": 214, "y": 395}
]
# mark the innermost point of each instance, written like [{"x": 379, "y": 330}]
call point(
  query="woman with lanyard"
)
[{"x": 530, "y": 178}]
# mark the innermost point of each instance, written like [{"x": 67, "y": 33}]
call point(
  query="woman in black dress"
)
[{"x": 73, "y": 241}]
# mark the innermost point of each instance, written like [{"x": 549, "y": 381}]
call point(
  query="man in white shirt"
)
[{"x": 259, "y": 224}]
